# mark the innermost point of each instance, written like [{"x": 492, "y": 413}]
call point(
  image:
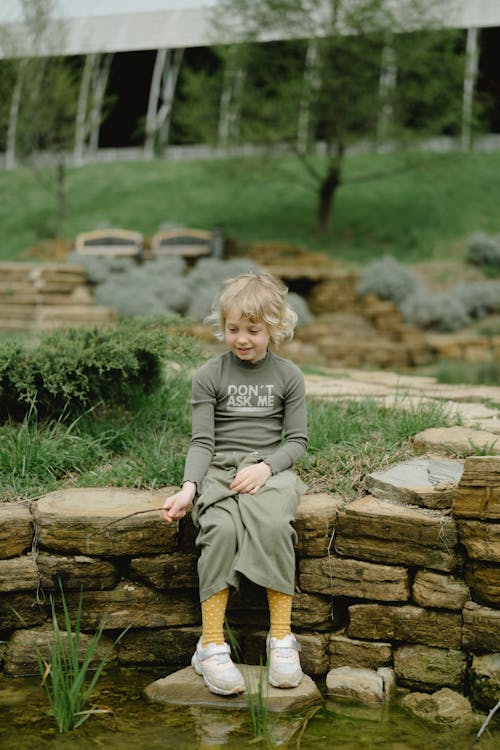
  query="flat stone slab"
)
[
  {"x": 185, "y": 687},
  {"x": 445, "y": 707},
  {"x": 104, "y": 520},
  {"x": 365, "y": 685},
  {"x": 427, "y": 482},
  {"x": 457, "y": 440}
]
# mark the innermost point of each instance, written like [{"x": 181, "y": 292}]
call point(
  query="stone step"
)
[
  {"x": 186, "y": 688},
  {"x": 73, "y": 314},
  {"x": 426, "y": 482},
  {"x": 31, "y": 296},
  {"x": 457, "y": 440},
  {"x": 383, "y": 531},
  {"x": 18, "y": 312}
]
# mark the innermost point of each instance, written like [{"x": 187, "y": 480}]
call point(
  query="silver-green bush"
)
[
  {"x": 388, "y": 279},
  {"x": 483, "y": 249},
  {"x": 444, "y": 311}
]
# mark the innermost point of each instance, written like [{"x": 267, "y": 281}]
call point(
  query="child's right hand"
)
[{"x": 176, "y": 506}]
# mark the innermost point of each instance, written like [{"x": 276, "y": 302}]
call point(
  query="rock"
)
[
  {"x": 439, "y": 591},
  {"x": 76, "y": 572},
  {"x": 347, "y": 652},
  {"x": 354, "y": 578},
  {"x": 311, "y": 611},
  {"x": 484, "y": 582},
  {"x": 21, "y": 611},
  {"x": 406, "y": 623},
  {"x": 314, "y": 654},
  {"x": 483, "y": 471},
  {"x": 18, "y": 574},
  {"x": 484, "y": 679},
  {"x": 170, "y": 571},
  {"x": 20, "y": 658},
  {"x": 428, "y": 668},
  {"x": 478, "y": 493},
  {"x": 98, "y": 521},
  {"x": 315, "y": 521},
  {"x": 481, "y": 539},
  {"x": 383, "y": 531},
  {"x": 477, "y": 502},
  {"x": 445, "y": 707},
  {"x": 135, "y": 605},
  {"x": 426, "y": 482},
  {"x": 364, "y": 685},
  {"x": 187, "y": 688},
  {"x": 481, "y": 628},
  {"x": 457, "y": 440},
  {"x": 167, "y": 646},
  {"x": 16, "y": 529}
]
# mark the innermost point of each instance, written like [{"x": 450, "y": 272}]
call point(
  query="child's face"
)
[{"x": 247, "y": 339}]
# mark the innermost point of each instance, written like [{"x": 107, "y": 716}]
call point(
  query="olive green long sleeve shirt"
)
[{"x": 240, "y": 406}]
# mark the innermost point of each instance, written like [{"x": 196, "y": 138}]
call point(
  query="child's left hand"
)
[{"x": 251, "y": 478}]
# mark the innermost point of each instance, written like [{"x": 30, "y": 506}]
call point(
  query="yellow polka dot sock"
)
[
  {"x": 280, "y": 613},
  {"x": 213, "y": 610}
]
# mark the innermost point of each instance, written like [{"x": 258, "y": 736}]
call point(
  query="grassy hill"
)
[{"x": 415, "y": 206}]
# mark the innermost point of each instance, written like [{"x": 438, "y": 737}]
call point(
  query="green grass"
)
[
  {"x": 415, "y": 206},
  {"x": 145, "y": 446},
  {"x": 65, "y": 675},
  {"x": 457, "y": 372},
  {"x": 349, "y": 439}
]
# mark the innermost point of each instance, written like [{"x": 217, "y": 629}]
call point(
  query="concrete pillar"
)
[
  {"x": 15, "y": 102},
  {"x": 387, "y": 84},
  {"x": 311, "y": 84},
  {"x": 230, "y": 103},
  {"x": 161, "y": 98},
  {"x": 471, "y": 70}
]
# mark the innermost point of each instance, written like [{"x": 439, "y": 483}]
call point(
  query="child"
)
[{"x": 249, "y": 427}]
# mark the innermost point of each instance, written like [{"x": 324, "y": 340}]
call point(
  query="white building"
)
[{"x": 101, "y": 30}]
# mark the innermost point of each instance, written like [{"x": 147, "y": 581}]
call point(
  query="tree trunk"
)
[
  {"x": 326, "y": 196},
  {"x": 62, "y": 203}
]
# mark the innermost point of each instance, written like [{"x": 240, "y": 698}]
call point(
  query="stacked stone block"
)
[
  {"x": 38, "y": 297},
  {"x": 404, "y": 584}
]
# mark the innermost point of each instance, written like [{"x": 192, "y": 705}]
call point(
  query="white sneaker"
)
[
  {"x": 284, "y": 662},
  {"x": 215, "y": 665}
]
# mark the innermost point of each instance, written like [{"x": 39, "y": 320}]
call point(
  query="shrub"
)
[
  {"x": 300, "y": 307},
  {"x": 73, "y": 370},
  {"x": 483, "y": 250},
  {"x": 100, "y": 268},
  {"x": 480, "y": 298},
  {"x": 388, "y": 279},
  {"x": 446, "y": 311}
]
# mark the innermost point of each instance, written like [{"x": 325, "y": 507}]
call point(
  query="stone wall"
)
[
  {"x": 41, "y": 297},
  {"x": 407, "y": 576}
]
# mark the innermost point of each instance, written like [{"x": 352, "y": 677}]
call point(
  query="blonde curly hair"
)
[{"x": 260, "y": 298}]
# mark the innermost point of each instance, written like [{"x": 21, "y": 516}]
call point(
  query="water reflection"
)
[{"x": 25, "y": 722}]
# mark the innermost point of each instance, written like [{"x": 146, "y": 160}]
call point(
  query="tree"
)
[
  {"x": 43, "y": 103},
  {"x": 347, "y": 71}
]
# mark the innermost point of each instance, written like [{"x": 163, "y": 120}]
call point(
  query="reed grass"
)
[
  {"x": 65, "y": 676},
  {"x": 258, "y": 706}
]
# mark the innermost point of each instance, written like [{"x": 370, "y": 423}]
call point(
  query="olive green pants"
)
[{"x": 242, "y": 534}]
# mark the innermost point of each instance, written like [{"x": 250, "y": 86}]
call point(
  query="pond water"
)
[{"x": 135, "y": 724}]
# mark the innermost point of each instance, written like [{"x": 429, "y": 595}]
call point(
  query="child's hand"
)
[
  {"x": 176, "y": 506},
  {"x": 251, "y": 478}
]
